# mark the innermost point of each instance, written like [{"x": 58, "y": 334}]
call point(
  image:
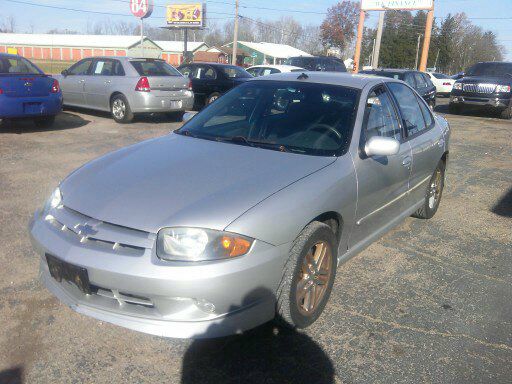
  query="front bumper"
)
[
  {"x": 17, "y": 107},
  {"x": 154, "y": 101},
  {"x": 480, "y": 101},
  {"x": 137, "y": 290}
]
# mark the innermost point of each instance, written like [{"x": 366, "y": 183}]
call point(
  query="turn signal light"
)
[
  {"x": 235, "y": 246},
  {"x": 55, "y": 86},
  {"x": 143, "y": 85}
]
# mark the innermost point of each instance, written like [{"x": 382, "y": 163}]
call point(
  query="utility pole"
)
[
  {"x": 373, "y": 54},
  {"x": 380, "y": 27},
  {"x": 235, "y": 35},
  {"x": 417, "y": 51},
  {"x": 426, "y": 42},
  {"x": 357, "y": 54}
]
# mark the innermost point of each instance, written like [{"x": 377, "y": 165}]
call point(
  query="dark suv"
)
[
  {"x": 416, "y": 79},
  {"x": 318, "y": 63},
  {"x": 484, "y": 85}
]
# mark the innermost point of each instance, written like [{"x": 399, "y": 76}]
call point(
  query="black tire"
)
[
  {"x": 455, "y": 109},
  {"x": 429, "y": 208},
  {"x": 176, "y": 116},
  {"x": 288, "y": 312},
  {"x": 120, "y": 109},
  {"x": 44, "y": 122},
  {"x": 506, "y": 114},
  {"x": 210, "y": 99}
]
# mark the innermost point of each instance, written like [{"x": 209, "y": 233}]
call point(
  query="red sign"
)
[{"x": 141, "y": 8}]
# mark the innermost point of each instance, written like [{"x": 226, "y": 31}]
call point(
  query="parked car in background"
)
[
  {"x": 416, "y": 79},
  {"x": 211, "y": 80},
  {"x": 26, "y": 92},
  {"x": 458, "y": 76},
  {"x": 263, "y": 70},
  {"x": 245, "y": 212},
  {"x": 318, "y": 63},
  {"x": 484, "y": 85},
  {"x": 442, "y": 82},
  {"x": 126, "y": 86}
]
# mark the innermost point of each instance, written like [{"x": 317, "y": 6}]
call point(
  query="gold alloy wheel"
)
[
  {"x": 314, "y": 276},
  {"x": 435, "y": 189}
]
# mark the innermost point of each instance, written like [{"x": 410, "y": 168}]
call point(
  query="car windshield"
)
[
  {"x": 490, "y": 69},
  {"x": 236, "y": 72},
  {"x": 307, "y": 118},
  {"x": 147, "y": 67},
  {"x": 440, "y": 76},
  {"x": 303, "y": 62},
  {"x": 17, "y": 65}
]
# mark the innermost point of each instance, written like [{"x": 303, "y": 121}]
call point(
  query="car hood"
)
[
  {"x": 182, "y": 181},
  {"x": 487, "y": 80}
]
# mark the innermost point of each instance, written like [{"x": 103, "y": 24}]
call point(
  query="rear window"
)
[
  {"x": 392, "y": 75},
  {"x": 154, "y": 68},
  {"x": 17, "y": 65}
]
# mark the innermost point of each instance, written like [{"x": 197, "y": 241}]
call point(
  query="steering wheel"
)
[{"x": 326, "y": 128}]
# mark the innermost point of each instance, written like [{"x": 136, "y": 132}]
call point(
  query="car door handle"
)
[
  {"x": 107, "y": 81},
  {"x": 81, "y": 81},
  {"x": 406, "y": 161},
  {"x": 440, "y": 143}
]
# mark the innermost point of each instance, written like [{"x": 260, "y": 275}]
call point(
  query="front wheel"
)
[
  {"x": 433, "y": 194},
  {"x": 120, "y": 110},
  {"x": 214, "y": 96},
  {"x": 308, "y": 276}
]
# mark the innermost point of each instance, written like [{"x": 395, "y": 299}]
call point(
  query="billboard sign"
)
[
  {"x": 383, "y": 5},
  {"x": 141, "y": 8},
  {"x": 186, "y": 15}
]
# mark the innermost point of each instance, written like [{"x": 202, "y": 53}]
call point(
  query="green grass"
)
[{"x": 52, "y": 67}]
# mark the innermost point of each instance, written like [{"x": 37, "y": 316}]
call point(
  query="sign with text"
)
[
  {"x": 383, "y": 5},
  {"x": 186, "y": 15},
  {"x": 141, "y": 8}
]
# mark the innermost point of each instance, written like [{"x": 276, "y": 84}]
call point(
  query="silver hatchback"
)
[
  {"x": 126, "y": 86},
  {"x": 244, "y": 213}
]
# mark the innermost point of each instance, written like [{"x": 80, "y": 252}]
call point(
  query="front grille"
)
[
  {"x": 99, "y": 234},
  {"x": 480, "y": 88}
]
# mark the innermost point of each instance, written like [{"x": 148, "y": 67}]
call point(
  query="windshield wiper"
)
[{"x": 254, "y": 143}]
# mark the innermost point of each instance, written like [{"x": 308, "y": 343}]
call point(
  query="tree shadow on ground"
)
[
  {"x": 266, "y": 354},
  {"x": 12, "y": 376},
  {"x": 503, "y": 206},
  {"x": 63, "y": 121},
  {"x": 475, "y": 112}
]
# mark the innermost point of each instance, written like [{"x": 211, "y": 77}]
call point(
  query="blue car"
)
[{"x": 26, "y": 92}]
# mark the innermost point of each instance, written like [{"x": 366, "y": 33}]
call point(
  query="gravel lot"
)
[{"x": 430, "y": 302}]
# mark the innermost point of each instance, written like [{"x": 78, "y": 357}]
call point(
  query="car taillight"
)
[
  {"x": 55, "y": 86},
  {"x": 190, "y": 85},
  {"x": 143, "y": 85},
  {"x": 1, "y": 91},
  {"x": 447, "y": 83}
]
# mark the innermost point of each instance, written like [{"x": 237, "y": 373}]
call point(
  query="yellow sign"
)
[
  {"x": 12, "y": 51},
  {"x": 186, "y": 15}
]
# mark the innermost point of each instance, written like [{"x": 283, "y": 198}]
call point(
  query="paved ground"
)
[{"x": 430, "y": 302}]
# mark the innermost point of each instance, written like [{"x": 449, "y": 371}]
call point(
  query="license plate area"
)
[
  {"x": 32, "y": 108},
  {"x": 60, "y": 270},
  {"x": 176, "y": 104}
]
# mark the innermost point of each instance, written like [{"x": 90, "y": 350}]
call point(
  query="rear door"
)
[
  {"x": 73, "y": 83},
  {"x": 102, "y": 79},
  {"x": 383, "y": 181},
  {"x": 421, "y": 133}
]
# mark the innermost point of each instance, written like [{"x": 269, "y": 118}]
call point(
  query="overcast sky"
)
[{"x": 309, "y": 12}]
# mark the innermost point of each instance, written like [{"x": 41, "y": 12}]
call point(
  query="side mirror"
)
[
  {"x": 188, "y": 115},
  {"x": 65, "y": 73},
  {"x": 381, "y": 146}
]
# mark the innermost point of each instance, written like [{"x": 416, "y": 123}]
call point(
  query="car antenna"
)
[{"x": 303, "y": 76}]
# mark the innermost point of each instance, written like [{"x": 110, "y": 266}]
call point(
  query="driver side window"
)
[
  {"x": 380, "y": 115},
  {"x": 409, "y": 108},
  {"x": 80, "y": 68}
]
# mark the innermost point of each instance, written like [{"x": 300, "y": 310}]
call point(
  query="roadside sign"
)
[
  {"x": 383, "y": 5},
  {"x": 141, "y": 8},
  {"x": 186, "y": 15}
]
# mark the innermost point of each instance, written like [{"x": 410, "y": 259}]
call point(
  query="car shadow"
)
[
  {"x": 475, "y": 112},
  {"x": 153, "y": 118},
  {"x": 12, "y": 376},
  {"x": 63, "y": 121},
  {"x": 503, "y": 206},
  {"x": 266, "y": 354}
]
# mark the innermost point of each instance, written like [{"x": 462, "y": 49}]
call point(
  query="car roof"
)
[
  {"x": 282, "y": 66},
  {"x": 212, "y": 64},
  {"x": 397, "y": 70},
  {"x": 358, "y": 81}
]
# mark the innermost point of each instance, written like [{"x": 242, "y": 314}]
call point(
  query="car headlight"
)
[
  {"x": 457, "y": 86},
  {"x": 197, "y": 244},
  {"x": 54, "y": 201},
  {"x": 502, "y": 88}
]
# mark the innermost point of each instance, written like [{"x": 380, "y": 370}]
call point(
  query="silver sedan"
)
[
  {"x": 243, "y": 214},
  {"x": 126, "y": 86}
]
